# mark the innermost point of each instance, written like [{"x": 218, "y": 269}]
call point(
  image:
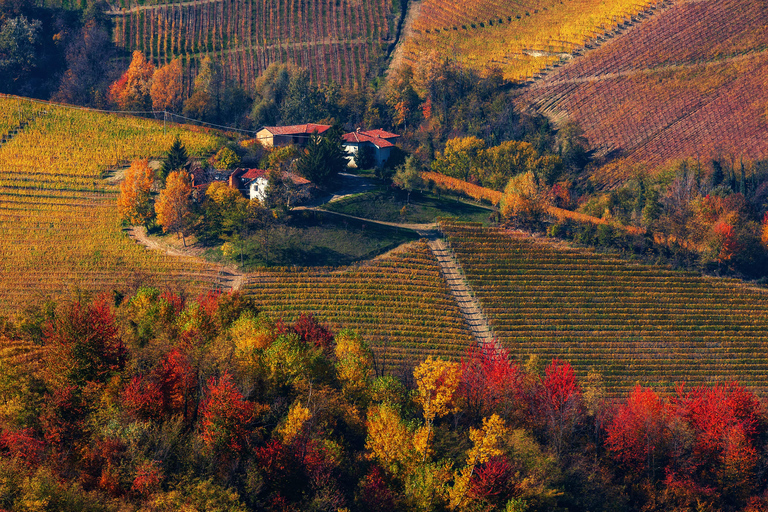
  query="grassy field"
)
[
  {"x": 387, "y": 206},
  {"x": 59, "y": 227},
  {"x": 315, "y": 239},
  {"x": 632, "y": 323}
]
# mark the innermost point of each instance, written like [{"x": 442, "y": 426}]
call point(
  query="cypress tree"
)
[{"x": 175, "y": 159}]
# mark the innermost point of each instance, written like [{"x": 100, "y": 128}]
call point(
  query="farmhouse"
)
[
  {"x": 274, "y": 136},
  {"x": 380, "y": 141},
  {"x": 253, "y": 183}
]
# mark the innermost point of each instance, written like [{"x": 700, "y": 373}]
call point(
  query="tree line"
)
[{"x": 155, "y": 401}]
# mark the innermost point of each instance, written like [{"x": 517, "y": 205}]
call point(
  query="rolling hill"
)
[{"x": 687, "y": 83}]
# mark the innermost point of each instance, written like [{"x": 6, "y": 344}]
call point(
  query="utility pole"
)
[{"x": 164, "y": 117}]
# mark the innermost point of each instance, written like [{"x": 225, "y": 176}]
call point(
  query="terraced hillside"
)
[
  {"x": 521, "y": 37},
  {"x": 341, "y": 40},
  {"x": 633, "y": 323},
  {"x": 687, "y": 83},
  {"x": 59, "y": 228},
  {"x": 400, "y": 303}
]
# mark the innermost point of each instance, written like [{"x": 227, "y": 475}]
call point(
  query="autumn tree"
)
[
  {"x": 638, "y": 432},
  {"x": 354, "y": 364},
  {"x": 174, "y": 205},
  {"x": 132, "y": 90},
  {"x": 135, "y": 201},
  {"x": 525, "y": 197},
  {"x": 166, "y": 88},
  {"x": 490, "y": 383},
  {"x": 460, "y": 159},
  {"x": 559, "y": 403},
  {"x": 436, "y": 382},
  {"x": 225, "y": 417},
  {"x": 85, "y": 343}
]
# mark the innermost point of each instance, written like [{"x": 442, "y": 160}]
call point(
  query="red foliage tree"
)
[
  {"x": 168, "y": 389},
  {"x": 559, "y": 402},
  {"x": 638, "y": 432},
  {"x": 86, "y": 346},
  {"x": 375, "y": 493},
  {"x": 310, "y": 331},
  {"x": 490, "y": 382},
  {"x": 225, "y": 416},
  {"x": 725, "y": 238},
  {"x": 22, "y": 445},
  {"x": 493, "y": 482}
]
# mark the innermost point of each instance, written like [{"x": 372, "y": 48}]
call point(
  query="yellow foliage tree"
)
[
  {"x": 166, "y": 88},
  {"x": 354, "y": 363},
  {"x": 524, "y": 196},
  {"x": 437, "y": 382},
  {"x": 134, "y": 203},
  {"x": 486, "y": 443},
  {"x": 174, "y": 204},
  {"x": 461, "y": 158},
  {"x": 298, "y": 415},
  {"x": 389, "y": 440}
]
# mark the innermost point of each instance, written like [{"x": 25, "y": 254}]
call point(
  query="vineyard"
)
[
  {"x": 633, "y": 323},
  {"x": 688, "y": 83},
  {"x": 343, "y": 41},
  {"x": 59, "y": 228},
  {"x": 400, "y": 303},
  {"x": 521, "y": 38}
]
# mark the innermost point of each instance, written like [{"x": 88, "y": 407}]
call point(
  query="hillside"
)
[
  {"x": 59, "y": 225},
  {"x": 340, "y": 41},
  {"x": 632, "y": 323},
  {"x": 520, "y": 38},
  {"x": 687, "y": 83}
]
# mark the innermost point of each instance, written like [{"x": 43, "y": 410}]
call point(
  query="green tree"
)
[
  {"x": 19, "y": 43},
  {"x": 323, "y": 158},
  {"x": 176, "y": 158},
  {"x": 365, "y": 158},
  {"x": 408, "y": 177}
]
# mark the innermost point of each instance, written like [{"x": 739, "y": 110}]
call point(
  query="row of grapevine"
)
[
  {"x": 340, "y": 41},
  {"x": 59, "y": 228},
  {"x": 400, "y": 303},
  {"x": 633, "y": 323},
  {"x": 688, "y": 83},
  {"x": 521, "y": 38}
]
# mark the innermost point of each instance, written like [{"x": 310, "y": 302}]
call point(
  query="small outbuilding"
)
[{"x": 379, "y": 141}]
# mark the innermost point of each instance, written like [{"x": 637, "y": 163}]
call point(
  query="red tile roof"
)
[
  {"x": 382, "y": 134},
  {"x": 252, "y": 174},
  {"x": 357, "y": 137},
  {"x": 298, "y": 129}
]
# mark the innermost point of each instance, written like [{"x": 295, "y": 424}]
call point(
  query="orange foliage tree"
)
[
  {"x": 135, "y": 201},
  {"x": 174, "y": 204},
  {"x": 132, "y": 90},
  {"x": 166, "y": 88}
]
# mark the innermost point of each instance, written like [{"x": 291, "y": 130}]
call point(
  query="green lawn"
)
[
  {"x": 387, "y": 205},
  {"x": 313, "y": 239}
]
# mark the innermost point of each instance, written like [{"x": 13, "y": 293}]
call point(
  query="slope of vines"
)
[
  {"x": 342, "y": 41},
  {"x": 59, "y": 228},
  {"x": 632, "y": 323},
  {"x": 400, "y": 303},
  {"x": 521, "y": 37},
  {"x": 688, "y": 83}
]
